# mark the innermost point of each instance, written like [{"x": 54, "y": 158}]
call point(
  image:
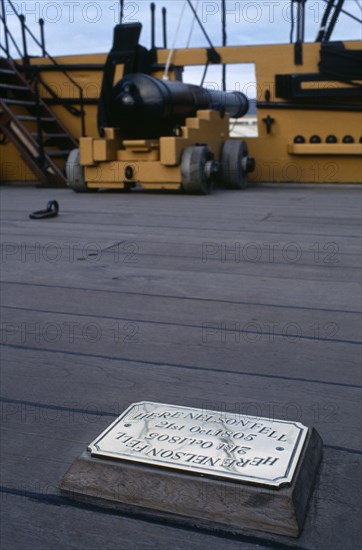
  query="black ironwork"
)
[
  {"x": 68, "y": 103},
  {"x": 25, "y": 30},
  {"x": 333, "y": 21},
  {"x": 153, "y": 25},
  {"x": 301, "y": 21},
  {"x": 224, "y": 40},
  {"x": 6, "y": 30},
  {"x": 215, "y": 57},
  {"x": 42, "y": 37},
  {"x": 339, "y": 63},
  {"x": 164, "y": 27},
  {"x": 9, "y": 35},
  {"x": 39, "y": 128},
  {"x": 298, "y": 53},
  {"x": 326, "y": 15},
  {"x": 300, "y": 30},
  {"x": 269, "y": 121},
  {"x": 291, "y": 86},
  {"x": 204, "y": 73},
  {"x": 51, "y": 211},
  {"x": 23, "y": 36},
  {"x": 325, "y": 29},
  {"x": 328, "y": 106},
  {"x": 121, "y": 13}
]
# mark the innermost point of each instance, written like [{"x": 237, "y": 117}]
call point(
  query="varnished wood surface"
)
[
  {"x": 113, "y": 302},
  {"x": 200, "y": 502}
]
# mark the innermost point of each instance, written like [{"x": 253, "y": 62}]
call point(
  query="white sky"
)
[{"x": 85, "y": 26}]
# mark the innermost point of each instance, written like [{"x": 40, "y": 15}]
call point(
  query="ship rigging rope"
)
[
  {"x": 354, "y": 17},
  {"x": 192, "y": 26},
  {"x": 204, "y": 74},
  {"x": 200, "y": 24},
  {"x": 169, "y": 58},
  {"x": 170, "y": 53}
]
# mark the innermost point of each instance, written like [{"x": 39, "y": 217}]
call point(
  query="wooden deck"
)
[{"x": 241, "y": 301}]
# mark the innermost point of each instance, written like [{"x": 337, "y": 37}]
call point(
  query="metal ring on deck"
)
[{"x": 51, "y": 211}]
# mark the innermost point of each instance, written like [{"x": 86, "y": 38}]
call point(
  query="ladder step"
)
[
  {"x": 13, "y": 87},
  {"x": 34, "y": 119},
  {"x": 50, "y": 136},
  {"x": 51, "y": 153},
  {"x": 57, "y": 144},
  {"x": 18, "y": 102},
  {"x": 7, "y": 71}
]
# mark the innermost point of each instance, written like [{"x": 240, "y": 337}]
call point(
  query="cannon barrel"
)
[{"x": 144, "y": 107}]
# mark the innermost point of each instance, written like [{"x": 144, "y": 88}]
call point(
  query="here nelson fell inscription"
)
[{"x": 245, "y": 448}]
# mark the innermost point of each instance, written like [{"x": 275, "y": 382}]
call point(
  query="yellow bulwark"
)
[{"x": 278, "y": 158}]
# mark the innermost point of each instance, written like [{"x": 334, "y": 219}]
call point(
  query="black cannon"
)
[
  {"x": 198, "y": 150},
  {"x": 144, "y": 107}
]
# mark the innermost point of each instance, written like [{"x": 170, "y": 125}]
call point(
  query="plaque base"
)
[{"x": 197, "y": 500}]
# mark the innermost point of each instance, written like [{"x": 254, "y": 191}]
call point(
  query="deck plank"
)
[
  {"x": 113, "y": 384},
  {"x": 38, "y": 434},
  {"x": 208, "y": 333},
  {"x": 54, "y": 524}
]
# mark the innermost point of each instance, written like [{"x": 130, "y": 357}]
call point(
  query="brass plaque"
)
[{"x": 250, "y": 449}]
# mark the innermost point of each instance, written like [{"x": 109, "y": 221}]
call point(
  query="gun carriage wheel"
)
[
  {"x": 235, "y": 164},
  {"x": 74, "y": 173},
  {"x": 196, "y": 168}
]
